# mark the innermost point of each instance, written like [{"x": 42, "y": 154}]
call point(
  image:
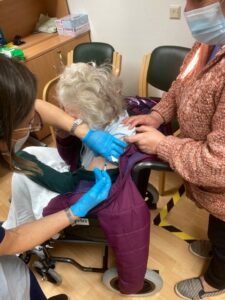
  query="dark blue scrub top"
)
[{"x": 2, "y": 233}]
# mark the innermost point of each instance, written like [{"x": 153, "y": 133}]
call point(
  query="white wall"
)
[{"x": 133, "y": 28}]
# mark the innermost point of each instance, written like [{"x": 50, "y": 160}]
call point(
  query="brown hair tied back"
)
[{"x": 18, "y": 90}]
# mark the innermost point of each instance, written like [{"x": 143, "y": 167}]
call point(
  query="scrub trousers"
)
[{"x": 36, "y": 292}]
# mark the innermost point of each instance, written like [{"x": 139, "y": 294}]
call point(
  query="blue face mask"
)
[{"x": 207, "y": 24}]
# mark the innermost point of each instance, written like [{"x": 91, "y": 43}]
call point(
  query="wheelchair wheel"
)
[
  {"x": 151, "y": 196},
  {"x": 53, "y": 277},
  {"x": 47, "y": 274},
  {"x": 153, "y": 283},
  {"x": 39, "y": 268}
]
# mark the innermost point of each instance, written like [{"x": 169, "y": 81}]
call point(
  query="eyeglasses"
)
[
  {"x": 22, "y": 132},
  {"x": 35, "y": 125}
]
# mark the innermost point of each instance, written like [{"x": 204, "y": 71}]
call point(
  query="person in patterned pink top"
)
[{"x": 197, "y": 99}]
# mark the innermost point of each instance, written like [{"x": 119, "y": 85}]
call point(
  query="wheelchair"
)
[{"x": 88, "y": 231}]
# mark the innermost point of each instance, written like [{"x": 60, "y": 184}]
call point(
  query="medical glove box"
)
[{"x": 73, "y": 25}]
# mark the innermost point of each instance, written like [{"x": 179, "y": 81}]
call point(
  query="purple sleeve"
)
[
  {"x": 69, "y": 150},
  {"x": 2, "y": 233}
]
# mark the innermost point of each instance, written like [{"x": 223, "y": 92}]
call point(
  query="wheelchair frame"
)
[{"x": 46, "y": 262}]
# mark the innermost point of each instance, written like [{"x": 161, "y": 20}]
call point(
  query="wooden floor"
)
[{"x": 168, "y": 253}]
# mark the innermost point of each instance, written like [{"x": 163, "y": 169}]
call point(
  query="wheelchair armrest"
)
[{"x": 141, "y": 172}]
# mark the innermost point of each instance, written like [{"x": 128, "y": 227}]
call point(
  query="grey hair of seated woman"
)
[{"x": 91, "y": 93}]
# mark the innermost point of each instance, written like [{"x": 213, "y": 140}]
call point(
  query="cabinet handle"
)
[
  {"x": 56, "y": 71},
  {"x": 61, "y": 58},
  {"x": 59, "y": 66}
]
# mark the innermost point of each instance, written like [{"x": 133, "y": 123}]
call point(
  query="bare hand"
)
[
  {"x": 147, "y": 139},
  {"x": 153, "y": 119}
]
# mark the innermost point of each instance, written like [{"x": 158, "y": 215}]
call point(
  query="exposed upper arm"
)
[{"x": 99, "y": 162}]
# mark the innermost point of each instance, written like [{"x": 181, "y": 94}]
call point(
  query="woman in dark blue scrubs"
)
[{"x": 18, "y": 114}]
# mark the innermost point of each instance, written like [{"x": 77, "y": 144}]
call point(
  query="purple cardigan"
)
[{"x": 124, "y": 217}]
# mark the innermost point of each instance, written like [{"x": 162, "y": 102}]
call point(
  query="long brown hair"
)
[{"x": 18, "y": 90}]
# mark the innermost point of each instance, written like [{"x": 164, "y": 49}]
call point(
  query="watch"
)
[
  {"x": 76, "y": 123},
  {"x": 70, "y": 216}
]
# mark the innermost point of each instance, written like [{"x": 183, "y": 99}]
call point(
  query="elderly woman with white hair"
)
[{"x": 88, "y": 93}]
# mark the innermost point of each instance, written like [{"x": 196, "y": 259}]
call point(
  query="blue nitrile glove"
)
[
  {"x": 104, "y": 144},
  {"x": 98, "y": 193}
]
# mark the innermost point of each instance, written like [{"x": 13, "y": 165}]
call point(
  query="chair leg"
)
[{"x": 162, "y": 179}]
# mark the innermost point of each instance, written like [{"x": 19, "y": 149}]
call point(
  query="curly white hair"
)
[{"x": 92, "y": 92}]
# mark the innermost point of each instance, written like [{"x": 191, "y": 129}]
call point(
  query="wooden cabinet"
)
[
  {"x": 45, "y": 53},
  {"x": 19, "y": 17},
  {"x": 47, "y": 58}
]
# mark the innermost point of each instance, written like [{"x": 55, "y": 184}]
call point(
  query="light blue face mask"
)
[{"x": 207, "y": 24}]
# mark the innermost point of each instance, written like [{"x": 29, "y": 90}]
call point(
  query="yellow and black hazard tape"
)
[{"x": 160, "y": 219}]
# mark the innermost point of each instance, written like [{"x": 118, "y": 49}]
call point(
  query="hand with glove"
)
[
  {"x": 104, "y": 144},
  {"x": 98, "y": 193}
]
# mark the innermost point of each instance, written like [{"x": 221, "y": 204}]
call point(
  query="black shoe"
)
[{"x": 59, "y": 297}]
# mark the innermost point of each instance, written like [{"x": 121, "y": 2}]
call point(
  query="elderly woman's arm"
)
[
  {"x": 163, "y": 112},
  {"x": 199, "y": 162},
  {"x": 167, "y": 107}
]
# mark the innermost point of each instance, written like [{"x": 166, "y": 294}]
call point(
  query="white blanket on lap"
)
[{"x": 28, "y": 198}]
